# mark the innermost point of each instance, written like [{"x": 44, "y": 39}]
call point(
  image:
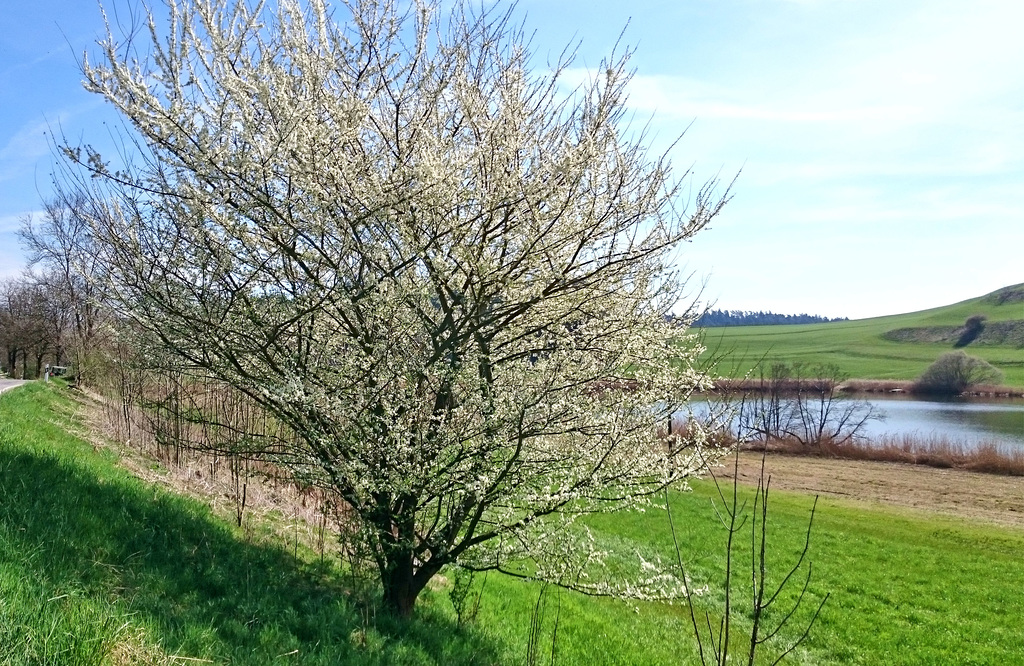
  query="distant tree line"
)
[
  {"x": 30, "y": 328},
  {"x": 53, "y": 314},
  {"x": 713, "y": 318}
]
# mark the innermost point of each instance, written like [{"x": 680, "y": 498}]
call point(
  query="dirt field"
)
[{"x": 968, "y": 495}]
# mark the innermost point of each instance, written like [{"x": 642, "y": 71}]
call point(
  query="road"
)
[{"x": 10, "y": 383}]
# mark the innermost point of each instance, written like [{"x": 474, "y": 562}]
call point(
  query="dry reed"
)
[
  {"x": 231, "y": 486},
  {"x": 932, "y": 451},
  {"x": 756, "y": 385}
]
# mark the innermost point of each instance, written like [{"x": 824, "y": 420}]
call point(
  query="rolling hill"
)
[{"x": 890, "y": 347}]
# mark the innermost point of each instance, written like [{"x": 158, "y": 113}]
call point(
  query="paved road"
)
[{"x": 10, "y": 383}]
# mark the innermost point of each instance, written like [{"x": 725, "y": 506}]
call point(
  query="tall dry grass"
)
[
  {"x": 934, "y": 451},
  {"x": 762, "y": 385},
  {"x": 876, "y": 386},
  {"x": 931, "y": 451},
  {"x": 756, "y": 385},
  {"x": 159, "y": 445}
]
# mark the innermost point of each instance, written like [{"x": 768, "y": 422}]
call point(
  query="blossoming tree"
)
[{"x": 443, "y": 270}]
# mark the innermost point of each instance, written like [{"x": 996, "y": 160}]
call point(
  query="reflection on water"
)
[
  {"x": 966, "y": 420},
  {"x": 958, "y": 420}
]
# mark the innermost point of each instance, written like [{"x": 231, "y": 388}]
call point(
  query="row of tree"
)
[
  {"x": 53, "y": 314},
  {"x": 31, "y": 327},
  {"x": 713, "y": 318}
]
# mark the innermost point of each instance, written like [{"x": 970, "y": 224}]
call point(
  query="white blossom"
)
[{"x": 448, "y": 278}]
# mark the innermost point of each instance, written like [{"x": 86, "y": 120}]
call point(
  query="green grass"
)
[
  {"x": 905, "y": 588},
  {"x": 858, "y": 347},
  {"x": 98, "y": 567}
]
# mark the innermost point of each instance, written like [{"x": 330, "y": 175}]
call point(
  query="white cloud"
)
[
  {"x": 680, "y": 97},
  {"x": 12, "y": 261},
  {"x": 24, "y": 148},
  {"x": 11, "y": 223},
  {"x": 31, "y": 142}
]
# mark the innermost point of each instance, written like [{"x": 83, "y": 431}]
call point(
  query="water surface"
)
[{"x": 965, "y": 421}]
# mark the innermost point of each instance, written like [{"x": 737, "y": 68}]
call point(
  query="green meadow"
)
[
  {"x": 99, "y": 567},
  {"x": 860, "y": 349}
]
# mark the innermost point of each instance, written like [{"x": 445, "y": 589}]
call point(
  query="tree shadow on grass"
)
[{"x": 195, "y": 589}]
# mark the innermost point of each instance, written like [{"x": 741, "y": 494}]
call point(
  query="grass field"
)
[
  {"x": 98, "y": 567},
  {"x": 858, "y": 347}
]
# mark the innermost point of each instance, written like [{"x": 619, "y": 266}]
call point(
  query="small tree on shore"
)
[
  {"x": 955, "y": 372},
  {"x": 802, "y": 402},
  {"x": 445, "y": 274}
]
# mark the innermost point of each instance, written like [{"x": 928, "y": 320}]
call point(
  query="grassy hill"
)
[
  {"x": 891, "y": 347},
  {"x": 100, "y": 568}
]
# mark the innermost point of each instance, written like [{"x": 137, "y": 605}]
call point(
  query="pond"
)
[{"x": 965, "y": 421}]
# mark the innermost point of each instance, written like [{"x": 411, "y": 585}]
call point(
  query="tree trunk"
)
[
  {"x": 403, "y": 582},
  {"x": 402, "y": 574},
  {"x": 399, "y": 589}
]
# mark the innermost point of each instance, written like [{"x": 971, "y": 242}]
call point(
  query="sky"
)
[{"x": 878, "y": 146}]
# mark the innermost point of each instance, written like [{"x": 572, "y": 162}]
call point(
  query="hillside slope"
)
[{"x": 882, "y": 347}]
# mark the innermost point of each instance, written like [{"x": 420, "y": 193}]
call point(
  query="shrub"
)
[
  {"x": 954, "y": 372},
  {"x": 971, "y": 330}
]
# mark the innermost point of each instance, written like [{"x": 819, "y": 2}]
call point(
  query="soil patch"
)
[
  {"x": 990, "y": 333},
  {"x": 968, "y": 495}
]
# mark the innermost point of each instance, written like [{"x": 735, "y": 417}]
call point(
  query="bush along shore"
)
[{"x": 929, "y": 450}]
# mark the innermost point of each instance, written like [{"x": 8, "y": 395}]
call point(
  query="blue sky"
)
[{"x": 881, "y": 143}]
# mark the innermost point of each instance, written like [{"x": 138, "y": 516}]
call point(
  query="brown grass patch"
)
[
  {"x": 756, "y": 385},
  {"x": 876, "y": 386},
  {"x": 764, "y": 385},
  {"x": 934, "y": 451},
  {"x": 995, "y": 391},
  {"x": 309, "y": 516}
]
